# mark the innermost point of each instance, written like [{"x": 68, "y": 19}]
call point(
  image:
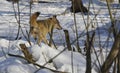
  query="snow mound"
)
[{"x": 42, "y": 54}]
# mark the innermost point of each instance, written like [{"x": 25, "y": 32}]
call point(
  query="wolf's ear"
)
[
  {"x": 38, "y": 13},
  {"x": 50, "y": 18}
]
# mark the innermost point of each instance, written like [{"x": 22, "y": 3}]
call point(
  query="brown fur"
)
[{"x": 40, "y": 28}]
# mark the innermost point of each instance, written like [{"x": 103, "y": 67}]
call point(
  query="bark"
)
[
  {"x": 112, "y": 55},
  {"x": 118, "y": 65},
  {"x": 77, "y": 6},
  {"x": 26, "y": 53},
  {"x": 67, "y": 40},
  {"x": 89, "y": 44},
  {"x": 14, "y": 1}
]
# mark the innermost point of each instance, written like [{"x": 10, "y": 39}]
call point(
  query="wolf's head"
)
[{"x": 56, "y": 23}]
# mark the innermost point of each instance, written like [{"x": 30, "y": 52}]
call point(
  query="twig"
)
[{"x": 33, "y": 62}]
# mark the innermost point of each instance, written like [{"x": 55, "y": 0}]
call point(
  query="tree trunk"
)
[
  {"x": 67, "y": 40},
  {"x": 77, "y": 6},
  {"x": 112, "y": 55},
  {"x": 118, "y": 65},
  {"x": 14, "y": 1},
  {"x": 110, "y": 1},
  {"x": 36, "y": 1},
  {"x": 89, "y": 43}
]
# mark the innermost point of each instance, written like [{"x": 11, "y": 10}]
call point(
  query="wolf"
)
[{"x": 40, "y": 28}]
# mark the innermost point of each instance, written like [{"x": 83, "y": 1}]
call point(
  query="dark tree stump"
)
[
  {"x": 77, "y": 6},
  {"x": 14, "y": 1}
]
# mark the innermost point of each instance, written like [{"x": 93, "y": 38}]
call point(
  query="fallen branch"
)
[
  {"x": 30, "y": 60},
  {"x": 26, "y": 53},
  {"x": 33, "y": 62}
]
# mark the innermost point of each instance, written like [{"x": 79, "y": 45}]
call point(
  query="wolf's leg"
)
[
  {"x": 42, "y": 38},
  {"x": 45, "y": 40},
  {"x": 39, "y": 40}
]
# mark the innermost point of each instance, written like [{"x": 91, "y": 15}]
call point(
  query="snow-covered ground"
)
[{"x": 43, "y": 53}]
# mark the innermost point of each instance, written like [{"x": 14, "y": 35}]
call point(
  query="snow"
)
[
  {"x": 41, "y": 54},
  {"x": 67, "y": 61}
]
